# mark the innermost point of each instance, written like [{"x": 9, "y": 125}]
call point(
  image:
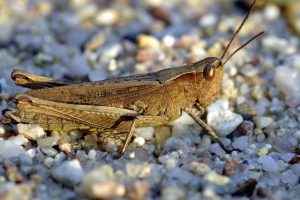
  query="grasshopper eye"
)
[{"x": 209, "y": 72}]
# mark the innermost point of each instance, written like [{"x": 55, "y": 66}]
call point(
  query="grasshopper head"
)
[{"x": 209, "y": 79}]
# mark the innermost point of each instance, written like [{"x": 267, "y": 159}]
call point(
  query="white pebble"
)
[
  {"x": 271, "y": 12},
  {"x": 69, "y": 172},
  {"x": 59, "y": 158},
  {"x": 263, "y": 121},
  {"x": 296, "y": 169},
  {"x": 288, "y": 81},
  {"x": 221, "y": 119},
  {"x": 146, "y": 133},
  {"x": 241, "y": 143},
  {"x": 9, "y": 149},
  {"x": 184, "y": 119},
  {"x": 31, "y": 131},
  {"x": 48, "y": 141},
  {"x": 19, "y": 140},
  {"x": 268, "y": 163},
  {"x": 92, "y": 154},
  {"x": 2, "y": 130},
  {"x": 287, "y": 157},
  {"x": 208, "y": 20},
  {"x": 48, "y": 162},
  {"x": 49, "y": 151},
  {"x": 168, "y": 40},
  {"x": 216, "y": 149},
  {"x": 31, "y": 152},
  {"x": 139, "y": 141}
]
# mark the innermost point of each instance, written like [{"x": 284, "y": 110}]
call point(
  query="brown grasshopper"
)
[{"x": 115, "y": 107}]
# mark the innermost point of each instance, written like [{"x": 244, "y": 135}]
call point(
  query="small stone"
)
[
  {"x": 31, "y": 131},
  {"x": 241, "y": 143},
  {"x": 137, "y": 190},
  {"x": 289, "y": 178},
  {"x": 9, "y": 149},
  {"x": 21, "y": 191},
  {"x": 263, "y": 122},
  {"x": 48, "y": 162},
  {"x": 296, "y": 169},
  {"x": 64, "y": 144},
  {"x": 221, "y": 119},
  {"x": 268, "y": 163},
  {"x": 232, "y": 167},
  {"x": 48, "y": 141},
  {"x": 185, "y": 119},
  {"x": 31, "y": 152},
  {"x": 139, "y": 141},
  {"x": 78, "y": 66},
  {"x": 59, "y": 158},
  {"x": 246, "y": 128},
  {"x": 107, "y": 17},
  {"x": 263, "y": 151},
  {"x": 172, "y": 193},
  {"x": 287, "y": 157},
  {"x": 216, "y": 149},
  {"x": 2, "y": 130},
  {"x": 96, "y": 177},
  {"x": 107, "y": 190},
  {"x": 49, "y": 151},
  {"x": 146, "y": 133},
  {"x": 221, "y": 184},
  {"x": 147, "y": 41},
  {"x": 162, "y": 133},
  {"x": 92, "y": 154},
  {"x": 288, "y": 82},
  {"x": 69, "y": 172},
  {"x": 19, "y": 140},
  {"x": 199, "y": 169}
]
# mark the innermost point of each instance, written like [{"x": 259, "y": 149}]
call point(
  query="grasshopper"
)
[{"x": 115, "y": 107}]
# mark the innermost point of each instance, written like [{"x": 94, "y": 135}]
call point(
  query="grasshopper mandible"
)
[{"x": 115, "y": 107}]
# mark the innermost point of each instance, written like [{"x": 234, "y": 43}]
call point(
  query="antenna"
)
[
  {"x": 238, "y": 30},
  {"x": 243, "y": 45}
]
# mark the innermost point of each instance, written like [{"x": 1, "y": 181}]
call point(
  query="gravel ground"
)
[{"x": 257, "y": 113}]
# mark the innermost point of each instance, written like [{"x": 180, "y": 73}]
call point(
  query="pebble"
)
[
  {"x": 184, "y": 119},
  {"x": 263, "y": 121},
  {"x": 69, "y": 172},
  {"x": 172, "y": 193},
  {"x": 147, "y": 41},
  {"x": 221, "y": 184},
  {"x": 31, "y": 131},
  {"x": 146, "y": 133},
  {"x": 96, "y": 176},
  {"x": 246, "y": 128},
  {"x": 296, "y": 169},
  {"x": 139, "y": 141},
  {"x": 107, "y": 17},
  {"x": 9, "y": 149},
  {"x": 241, "y": 143},
  {"x": 221, "y": 119},
  {"x": 92, "y": 154},
  {"x": 48, "y": 162},
  {"x": 2, "y": 130},
  {"x": 288, "y": 82},
  {"x": 137, "y": 190},
  {"x": 216, "y": 149},
  {"x": 232, "y": 167},
  {"x": 59, "y": 158},
  {"x": 268, "y": 163},
  {"x": 19, "y": 140},
  {"x": 48, "y": 141},
  {"x": 49, "y": 151},
  {"x": 263, "y": 151},
  {"x": 31, "y": 152}
]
